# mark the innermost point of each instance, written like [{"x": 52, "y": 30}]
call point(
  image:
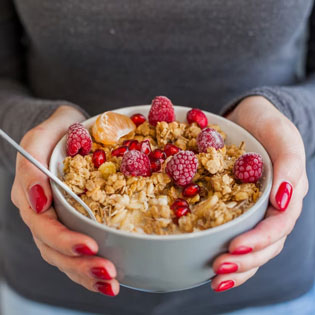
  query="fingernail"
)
[
  {"x": 227, "y": 268},
  {"x": 37, "y": 198},
  {"x": 225, "y": 285},
  {"x": 101, "y": 272},
  {"x": 105, "y": 288},
  {"x": 83, "y": 250},
  {"x": 283, "y": 195},
  {"x": 242, "y": 250}
]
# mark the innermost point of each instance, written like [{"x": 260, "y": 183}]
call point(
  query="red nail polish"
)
[
  {"x": 225, "y": 285},
  {"x": 283, "y": 195},
  {"x": 101, "y": 272},
  {"x": 37, "y": 198},
  {"x": 105, "y": 288},
  {"x": 83, "y": 250},
  {"x": 242, "y": 250},
  {"x": 227, "y": 268}
]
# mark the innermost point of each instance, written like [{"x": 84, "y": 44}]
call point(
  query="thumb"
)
[{"x": 40, "y": 142}]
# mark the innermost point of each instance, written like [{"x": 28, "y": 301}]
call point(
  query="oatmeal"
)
[{"x": 164, "y": 177}]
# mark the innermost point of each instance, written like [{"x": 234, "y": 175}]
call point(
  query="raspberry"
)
[
  {"x": 135, "y": 163},
  {"x": 98, "y": 158},
  {"x": 197, "y": 116},
  {"x": 209, "y": 138},
  {"x": 78, "y": 140},
  {"x": 182, "y": 167},
  {"x": 138, "y": 119},
  {"x": 191, "y": 190},
  {"x": 171, "y": 149},
  {"x": 161, "y": 110},
  {"x": 248, "y": 167}
]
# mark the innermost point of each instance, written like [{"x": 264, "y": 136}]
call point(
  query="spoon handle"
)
[{"x": 47, "y": 172}]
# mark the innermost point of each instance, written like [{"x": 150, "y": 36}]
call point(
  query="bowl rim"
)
[{"x": 184, "y": 236}]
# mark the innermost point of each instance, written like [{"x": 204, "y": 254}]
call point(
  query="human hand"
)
[
  {"x": 71, "y": 252},
  {"x": 280, "y": 137}
]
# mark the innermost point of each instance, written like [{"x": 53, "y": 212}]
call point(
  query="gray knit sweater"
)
[{"x": 101, "y": 55}]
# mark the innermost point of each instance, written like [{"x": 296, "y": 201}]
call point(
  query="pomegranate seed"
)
[
  {"x": 156, "y": 165},
  {"x": 179, "y": 203},
  {"x": 181, "y": 211},
  {"x": 120, "y": 151},
  {"x": 144, "y": 147},
  {"x": 191, "y": 190},
  {"x": 197, "y": 116},
  {"x": 98, "y": 158},
  {"x": 138, "y": 119},
  {"x": 171, "y": 149},
  {"x": 131, "y": 144},
  {"x": 157, "y": 154}
]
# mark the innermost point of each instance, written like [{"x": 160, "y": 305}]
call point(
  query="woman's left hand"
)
[{"x": 280, "y": 137}]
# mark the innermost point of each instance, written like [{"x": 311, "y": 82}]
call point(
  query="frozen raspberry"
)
[
  {"x": 171, "y": 149},
  {"x": 182, "y": 167},
  {"x": 135, "y": 163},
  {"x": 248, "y": 167},
  {"x": 191, "y": 190},
  {"x": 78, "y": 140},
  {"x": 138, "y": 119},
  {"x": 209, "y": 138},
  {"x": 197, "y": 116},
  {"x": 98, "y": 158},
  {"x": 161, "y": 110}
]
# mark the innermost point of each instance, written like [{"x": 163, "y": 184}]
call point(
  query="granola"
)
[{"x": 143, "y": 204}]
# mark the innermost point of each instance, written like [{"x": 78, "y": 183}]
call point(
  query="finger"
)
[
  {"x": 39, "y": 142},
  {"x": 274, "y": 227},
  {"x": 228, "y": 263},
  {"x": 225, "y": 282},
  {"x": 79, "y": 270},
  {"x": 49, "y": 230}
]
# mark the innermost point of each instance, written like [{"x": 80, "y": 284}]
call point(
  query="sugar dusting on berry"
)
[
  {"x": 161, "y": 110},
  {"x": 135, "y": 163},
  {"x": 209, "y": 138},
  {"x": 78, "y": 140},
  {"x": 182, "y": 167},
  {"x": 248, "y": 167}
]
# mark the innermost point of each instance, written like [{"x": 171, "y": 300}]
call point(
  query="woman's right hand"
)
[{"x": 71, "y": 252}]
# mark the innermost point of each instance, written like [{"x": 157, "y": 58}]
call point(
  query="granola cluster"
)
[{"x": 143, "y": 204}]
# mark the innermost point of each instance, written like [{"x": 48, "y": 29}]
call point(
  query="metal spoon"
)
[{"x": 54, "y": 178}]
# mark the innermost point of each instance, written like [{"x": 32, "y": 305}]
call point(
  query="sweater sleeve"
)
[
  {"x": 19, "y": 110},
  {"x": 297, "y": 102}
]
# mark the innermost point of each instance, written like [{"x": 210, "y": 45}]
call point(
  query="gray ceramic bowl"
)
[{"x": 157, "y": 263}]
